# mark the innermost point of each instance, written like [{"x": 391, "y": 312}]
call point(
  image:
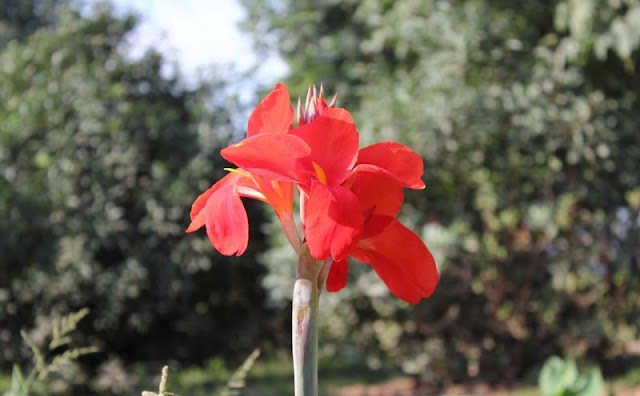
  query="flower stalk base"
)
[{"x": 304, "y": 325}]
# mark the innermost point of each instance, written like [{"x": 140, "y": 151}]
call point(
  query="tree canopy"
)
[
  {"x": 526, "y": 114},
  {"x": 101, "y": 156}
]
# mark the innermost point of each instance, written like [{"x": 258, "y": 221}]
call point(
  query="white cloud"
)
[{"x": 197, "y": 33}]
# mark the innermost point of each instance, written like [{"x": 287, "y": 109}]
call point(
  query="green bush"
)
[
  {"x": 101, "y": 156},
  {"x": 526, "y": 114}
]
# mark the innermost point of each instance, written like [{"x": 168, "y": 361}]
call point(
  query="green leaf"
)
[
  {"x": 589, "y": 384},
  {"x": 557, "y": 376},
  {"x": 19, "y": 385}
]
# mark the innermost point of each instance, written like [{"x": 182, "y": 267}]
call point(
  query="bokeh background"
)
[{"x": 527, "y": 116}]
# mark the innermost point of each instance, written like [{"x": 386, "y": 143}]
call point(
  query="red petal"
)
[
  {"x": 379, "y": 194},
  {"x": 197, "y": 213},
  {"x": 333, "y": 221},
  {"x": 398, "y": 160},
  {"x": 277, "y": 194},
  {"x": 274, "y": 114},
  {"x": 226, "y": 221},
  {"x": 337, "y": 113},
  {"x": 337, "y": 278},
  {"x": 276, "y": 157},
  {"x": 400, "y": 259},
  {"x": 334, "y": 145}
]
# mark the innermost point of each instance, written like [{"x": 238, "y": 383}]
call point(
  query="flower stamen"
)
[{"x": 238, "y": 172}]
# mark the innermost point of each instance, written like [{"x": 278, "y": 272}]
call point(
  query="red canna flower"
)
[
  {"x": 319, "y": 157},
  {"x": 349, "y": 198}
]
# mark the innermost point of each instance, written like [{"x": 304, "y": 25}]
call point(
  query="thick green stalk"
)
[{"x": 304, "y": 325}]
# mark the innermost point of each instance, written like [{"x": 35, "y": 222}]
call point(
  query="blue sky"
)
[{"x": 197, "y": 33}]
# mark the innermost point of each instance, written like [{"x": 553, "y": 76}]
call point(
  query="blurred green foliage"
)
[
  {"x": 101, "y": 156},
  {"x": 527, "y": 117},
  {"x": 560, "y": 377},
  {"x": 49, "y": 359},
  {"x": 18, "y": 19}
]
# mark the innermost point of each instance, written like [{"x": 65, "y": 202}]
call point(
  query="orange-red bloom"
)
[
  {"x": 349, "y": 198},
  {"x": 220, "y": 208}
]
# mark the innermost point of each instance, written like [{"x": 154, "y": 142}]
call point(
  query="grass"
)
[
  {"x": 5, "y": 381},
  {"x": 272, "y": 376}
]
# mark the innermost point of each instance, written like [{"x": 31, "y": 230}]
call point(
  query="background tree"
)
[
  {"x": 526, "y": 115},
  {"x": 101, "y": 157},
  {"x": 18, "y": 19}
]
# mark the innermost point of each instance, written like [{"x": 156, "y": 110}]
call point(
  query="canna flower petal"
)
[
  {"x": 337, "y": 278},
  {"x": 400, "y": 259},
  {"x": 273, "y": 156},
  {"x": 334, "y": 145},
  {"x": 378, "y": 193},
  {"x": 197, "y": 209},
  {"x": 226, "y": 221},
  {"x": 338, "y": 114},
  {"x": 398, "y": 160},
  {"x": 273, "y": 115},
  {"x": 277, "y": 194},
  {"x": 333, "y": 221}
]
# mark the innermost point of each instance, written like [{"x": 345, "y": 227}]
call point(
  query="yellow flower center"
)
[{"x": 322, "y": 177}]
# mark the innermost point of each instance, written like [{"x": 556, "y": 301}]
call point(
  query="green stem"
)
[
  {"x": 290, "y": 231},
  {"x": 304, "y": 325}
]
